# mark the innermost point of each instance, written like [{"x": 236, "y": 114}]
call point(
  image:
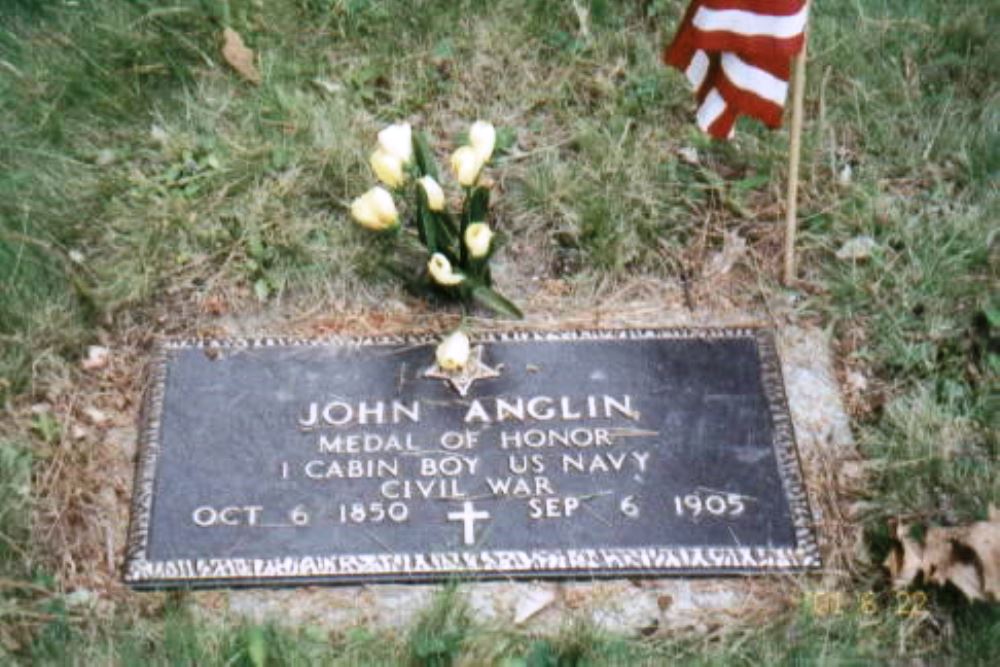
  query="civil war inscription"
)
[{"x": 570, "y": 454}]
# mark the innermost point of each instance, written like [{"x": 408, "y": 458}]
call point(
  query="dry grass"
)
[{"x": 117, "y": 234}]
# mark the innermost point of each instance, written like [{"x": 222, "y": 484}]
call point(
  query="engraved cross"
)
[{"x": 469, "y": 516}]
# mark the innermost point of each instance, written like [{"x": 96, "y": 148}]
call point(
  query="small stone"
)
[
  {"x": 328, "y": 86},
  {"x": 532, "y": 603},
  {"x": 846, "y": 175},
  {"x": 159, "y": 135},
  {"x": 105, "y": 157},
  {"x": 664, "y": 602},
  {"x": 78, "y": 432},
  {"x": 96, "y": 417},
  {"x": 97, "y": 358},
  {"x": 81, "y": 597},
  {"x": 76, "y": 256},
  {"x": 689, "y": 155},
  {"x": 858, "y": 248},
  {"x": 857, "y": 381},
  {"x": 734, "y": 247}
]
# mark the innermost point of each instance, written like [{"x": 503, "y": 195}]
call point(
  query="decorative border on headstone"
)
[
  {"x": 786, "y": 451},
  {"x": 145, "y": 468},
  {"x": 140, "y": 572}
]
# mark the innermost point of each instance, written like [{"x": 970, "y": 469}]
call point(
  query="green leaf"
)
[
  {"x": 424, "y": 156},
  {"x": 479, "y": 205},
  {"x": 425, "y": 222},
  {"x": 479, "y": 269},
  {"x": 496, "y": 302},
  {"x": 449, "y": 223},
  {"x": 445, "y": 232}
]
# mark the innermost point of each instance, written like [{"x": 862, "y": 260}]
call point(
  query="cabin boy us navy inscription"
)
[{"x": 567, "y": 454}]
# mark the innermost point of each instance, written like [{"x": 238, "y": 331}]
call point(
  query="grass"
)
[{"x": 140, "y": 178}]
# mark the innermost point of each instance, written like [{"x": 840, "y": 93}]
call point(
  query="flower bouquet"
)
[{"x": 452, "y": 251}]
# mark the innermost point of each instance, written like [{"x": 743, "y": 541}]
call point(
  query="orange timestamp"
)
[{"x": 904, "y": 604}]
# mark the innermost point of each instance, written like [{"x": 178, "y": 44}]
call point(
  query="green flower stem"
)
[{"x": 466, "y": 213}]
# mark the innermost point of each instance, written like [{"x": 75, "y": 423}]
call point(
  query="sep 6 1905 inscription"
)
[{"x": 573, "y": 454}]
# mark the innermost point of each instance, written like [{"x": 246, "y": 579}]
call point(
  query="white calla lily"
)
[
  {"x": 364, "y": 214},
  {"x": 375, "y": 210},
  {"x": 388, "y": 168},
  {"x": 435, "y": 195},
  {"x": 483, "y": 139},
  {"x": 478, "y": 237},
  {"x": 466, "y": 165},
  {"x": 397, "y": 140},
  {"x": 441, "y": 271},
  {"x": 453, "y": 352}
]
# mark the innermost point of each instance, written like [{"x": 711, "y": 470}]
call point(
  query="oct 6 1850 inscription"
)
[{"x": 570, "y": 454}]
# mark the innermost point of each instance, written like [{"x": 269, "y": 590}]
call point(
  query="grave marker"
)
[{"x": 564, "y": 454}]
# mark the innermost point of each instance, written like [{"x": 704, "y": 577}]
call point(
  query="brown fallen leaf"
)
[
  {"x": 904, "y": 561},
  {"x": 942, "y": 565},
  {"x": 214, "y": 305},
  {"x": 968, "y": 557},
  {"x": 984, "y": 540},
  {"x": 239, "y": 57}
]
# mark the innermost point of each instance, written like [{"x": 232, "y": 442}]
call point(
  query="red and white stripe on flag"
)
[{"x": 737, "y": 55}]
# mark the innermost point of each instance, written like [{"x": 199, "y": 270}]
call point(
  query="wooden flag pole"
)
[{"x": 795, "y": 151}]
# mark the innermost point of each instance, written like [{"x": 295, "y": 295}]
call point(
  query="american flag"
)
[{"x": 737, "y": 55}]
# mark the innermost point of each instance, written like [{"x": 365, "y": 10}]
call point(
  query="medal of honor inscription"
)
[{"x": 647, "y": 452}]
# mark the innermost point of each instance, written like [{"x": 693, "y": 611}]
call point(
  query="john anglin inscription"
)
[{"x": 571, "y": 454}]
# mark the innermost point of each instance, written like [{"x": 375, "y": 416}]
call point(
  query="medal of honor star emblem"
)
[{"x": 461, "y": 381}]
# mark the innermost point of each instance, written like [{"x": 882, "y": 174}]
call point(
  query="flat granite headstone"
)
[{"x": 580, "y": 454}]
